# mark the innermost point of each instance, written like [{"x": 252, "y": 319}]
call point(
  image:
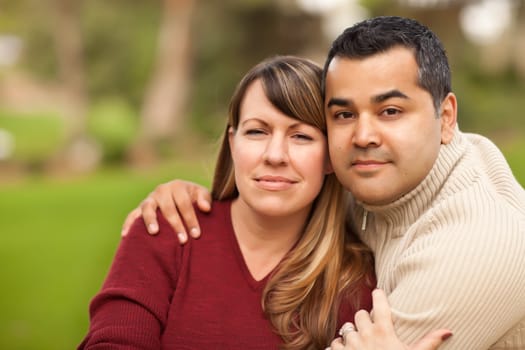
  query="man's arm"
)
[
  {"x": 468, "y": 279},
  {"x": 175, "y": 200}
]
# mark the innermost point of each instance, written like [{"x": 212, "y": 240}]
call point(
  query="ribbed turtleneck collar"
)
[{"x": 407, "y": 209}]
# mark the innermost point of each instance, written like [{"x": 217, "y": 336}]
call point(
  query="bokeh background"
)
[{"x": 102, "y": 100}]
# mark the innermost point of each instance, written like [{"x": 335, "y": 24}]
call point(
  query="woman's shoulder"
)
[{"x": 218, "y": 217}]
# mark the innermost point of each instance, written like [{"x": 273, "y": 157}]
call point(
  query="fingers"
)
[
  {"x": 432, "y": 340},
  {"x": 184, "y": 202},
  {"x": 337, "y": 344},
  {"x": 132, "y": 216},
  {"x": 350, "y": 338},
  {"x": 148, "y": 209},
  {"x": 192, "y": 193},
  {"x": 176, "y": 212},
  {"x": 203, "y": 198},
  {"x": 381, "y": 309},
  {"x": 175, "y": 200},
  {"x": 377, "y": 331}
]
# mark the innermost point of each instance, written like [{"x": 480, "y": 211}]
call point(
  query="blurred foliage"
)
[
  {"x": 514, "y": 151},
  {"x": 30, "y": 20},
  {"x": 114, "y": 124},
  {"x": 489, "y": 103},
  {"x": 37, "y": 135},
  {"x": 227, "y": 39},
  {"x": 58, "y": 236},
  {"x": 120, "y": 46},
  {"x": 120, "y": 43},
  {"x": 248, "y": 34}
]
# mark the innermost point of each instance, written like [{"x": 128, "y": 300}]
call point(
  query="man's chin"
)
[{"x": 371, "y": 197}]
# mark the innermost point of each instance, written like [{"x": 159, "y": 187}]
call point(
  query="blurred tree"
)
[
  {"x": 232, "y": 36},
  {"x": 440, "y": 15},
  {"x": 520, "y": 40},
  {"x": 120, "y": 44},
  {"x": 80, "y": 152},
  {"x": 177, "y": 89},
  {"x": 165, "y": 104}
]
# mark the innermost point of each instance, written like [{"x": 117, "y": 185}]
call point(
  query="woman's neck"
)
[{"x": 264, "y": 240}]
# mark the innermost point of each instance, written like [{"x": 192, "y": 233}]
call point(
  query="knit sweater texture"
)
[
  {"x": 159, "y": 294},
  {"x": 451, "y": 253}
]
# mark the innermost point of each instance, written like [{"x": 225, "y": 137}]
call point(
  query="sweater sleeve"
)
[
  {"x": 463, "y": 274},
  {"x": 130, "y": 311}
]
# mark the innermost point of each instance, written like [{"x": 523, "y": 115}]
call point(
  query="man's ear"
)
[{"x": 448, "y": 114}]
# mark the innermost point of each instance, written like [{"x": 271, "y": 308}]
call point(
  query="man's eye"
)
[
  {"x": 390, "y": 112},
  {"x": 344, "y": 115}
]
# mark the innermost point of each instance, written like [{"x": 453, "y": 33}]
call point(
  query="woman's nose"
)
[{"x": 276, "y": 151}]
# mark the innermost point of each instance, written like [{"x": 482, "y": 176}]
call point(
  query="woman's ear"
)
[
  {"x": 328, "y": 169},
  {"x": 231, "y": 133},
  {"x": 448, "y": 115}
]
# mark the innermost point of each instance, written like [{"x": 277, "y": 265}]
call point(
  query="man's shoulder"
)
[{"x": 483, "y": 183}]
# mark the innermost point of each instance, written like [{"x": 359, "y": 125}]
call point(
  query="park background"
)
[{"x": 102, "y": 100}]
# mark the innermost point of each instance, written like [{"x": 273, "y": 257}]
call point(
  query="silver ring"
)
[{"x": 347, "y": 328}]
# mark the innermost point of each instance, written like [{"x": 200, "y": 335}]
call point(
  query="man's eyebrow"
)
[
  {"x": 341, "y": 102},
  {"x": 387, "y": 95}
]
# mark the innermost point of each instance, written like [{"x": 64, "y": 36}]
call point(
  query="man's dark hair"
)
[{"x": 380, "y": 34}]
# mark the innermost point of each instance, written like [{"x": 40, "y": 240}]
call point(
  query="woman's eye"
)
[
  {"x": 254, "y": 132},
  {"x": 303, "y": 137}
]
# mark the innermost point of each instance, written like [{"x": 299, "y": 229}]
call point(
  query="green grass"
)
[
  {"x": 57, "y": 239},
  {"x": 515, "y": 153},
  {"x": 57, "y": 242}
]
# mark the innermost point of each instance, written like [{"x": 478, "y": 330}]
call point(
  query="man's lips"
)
[{"x": 367, "y": 164}]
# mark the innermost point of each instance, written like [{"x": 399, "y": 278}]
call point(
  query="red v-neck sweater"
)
[{"x": 159, "y": 294}]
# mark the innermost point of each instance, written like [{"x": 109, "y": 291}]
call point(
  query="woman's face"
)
[{"x": 279, "y": 161}]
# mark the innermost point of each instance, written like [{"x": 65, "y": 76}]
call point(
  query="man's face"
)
[{"x": 383, "y": 132}]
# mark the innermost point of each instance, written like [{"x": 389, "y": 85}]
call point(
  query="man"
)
[{"x": 440, "y": 209}]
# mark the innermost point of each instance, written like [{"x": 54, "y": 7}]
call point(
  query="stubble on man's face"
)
[{"x": 383, "y": 133}]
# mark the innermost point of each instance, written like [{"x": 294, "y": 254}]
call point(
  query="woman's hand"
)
[
  {"x": 377, "y": 332},
  {"x": 175, "y": 200}
]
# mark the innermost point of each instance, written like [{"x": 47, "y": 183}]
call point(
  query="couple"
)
[{"x": 439, "y": 209}]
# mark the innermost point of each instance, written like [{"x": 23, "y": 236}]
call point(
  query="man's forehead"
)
[
  {"x": 380, "y": 75},
  {"x": 399, "y": 54}
]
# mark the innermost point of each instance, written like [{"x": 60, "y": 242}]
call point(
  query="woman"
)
[{"x": 277, "y": 267}]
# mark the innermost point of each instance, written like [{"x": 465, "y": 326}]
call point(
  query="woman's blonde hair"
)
[{"x": 302, "y": 296}]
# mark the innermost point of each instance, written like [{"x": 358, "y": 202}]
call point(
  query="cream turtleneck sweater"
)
[{"x": 451, "y": 253}]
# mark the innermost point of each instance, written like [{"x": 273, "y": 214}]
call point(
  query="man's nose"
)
[{"x": 365, "y": 132}]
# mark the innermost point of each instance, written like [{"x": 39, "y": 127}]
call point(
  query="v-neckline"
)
[{"x": 252, "y": 282}]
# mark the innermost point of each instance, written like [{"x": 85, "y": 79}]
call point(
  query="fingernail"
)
[
  {"x": 195, "y": 232},
  {"x": 153, "y": 228},
  {"x": 182, "y": 237},
  {"x": 446, "y": 336}
]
